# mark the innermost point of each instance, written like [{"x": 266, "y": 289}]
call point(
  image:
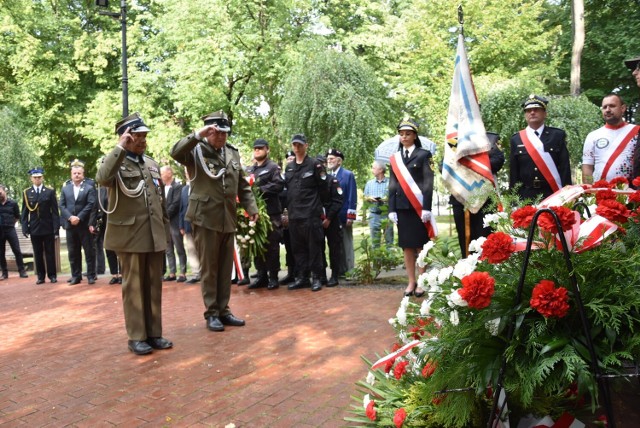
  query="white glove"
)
[
  {"x": 393, "y": 217},
  {"x": 425, "y": 216}
]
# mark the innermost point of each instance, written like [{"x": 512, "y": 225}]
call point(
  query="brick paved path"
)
[{"x": 64, "y": 359}]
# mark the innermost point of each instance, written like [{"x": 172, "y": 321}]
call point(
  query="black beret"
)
[{"x": 335, "y": 152}]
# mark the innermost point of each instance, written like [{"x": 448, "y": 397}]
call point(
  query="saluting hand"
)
[{"x": 125, "y": 139}]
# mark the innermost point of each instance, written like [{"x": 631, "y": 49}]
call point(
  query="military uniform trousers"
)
[
  {"x": 216, "y": 264},
  {"x": 270, "y": 260},
  {"x": 307, "y": 241},
  {"x": 44, "y": 247},
  {"x": 333, "y": 233},
  {"x": 78, "y": 239},
  {"x": 142, "y": 294}
]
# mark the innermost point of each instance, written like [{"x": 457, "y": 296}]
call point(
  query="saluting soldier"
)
[
  {"x": 539, "y": 159},
  {"x": 307, "y": 190},
  {"x": 77, "y": 202},
  {"x": 217, "y": 178},
  {"x": 137, "y": 229},
  {"x": 40, "y": 220}
]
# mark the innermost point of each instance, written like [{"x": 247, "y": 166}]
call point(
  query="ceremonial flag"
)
[{"x": 466, "y": 169}]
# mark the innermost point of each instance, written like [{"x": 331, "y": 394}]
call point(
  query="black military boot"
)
[
  {"x": 333, "y": 281},
  {"x": 273, "y": 281},
  {"x": 261, "y": 281},
  {"x": 316, "y": 285},
  {"x": 302, "y": 282},
  {"x": 288, "y": 279}
]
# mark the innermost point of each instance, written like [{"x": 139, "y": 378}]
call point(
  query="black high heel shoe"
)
[
  {"x": 410, "y": 293},
  {"x": 418, "y": 294}
]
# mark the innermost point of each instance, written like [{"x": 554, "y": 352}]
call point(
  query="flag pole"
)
[{"x": 461, "y": 19}]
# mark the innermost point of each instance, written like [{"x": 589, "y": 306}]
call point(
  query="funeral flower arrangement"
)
[
  {"x": 251, "y": 236},
  {"x": 452, "y": 345}
]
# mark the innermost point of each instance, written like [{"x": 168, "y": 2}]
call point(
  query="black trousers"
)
[
  {"x": 307, "y": 240},
  {"x": 44, "y": 247},
  {"x": 476, "y": 228},
  {"x": 9, "y": 234},
  {"x": 333, "y": 233},
  {"x": 78, "y": 239},
  {"x": 270, "y": 260}
]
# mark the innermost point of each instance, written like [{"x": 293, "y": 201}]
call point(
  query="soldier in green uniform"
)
[
  {"x": 217, "y": 179},
  {"x": 137, "y": 230}
]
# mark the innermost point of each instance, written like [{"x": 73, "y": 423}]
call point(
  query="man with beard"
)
[{"x": 608, "y": 151}]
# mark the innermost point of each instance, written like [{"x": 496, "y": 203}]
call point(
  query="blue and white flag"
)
[{"x": 466, "y": 170}]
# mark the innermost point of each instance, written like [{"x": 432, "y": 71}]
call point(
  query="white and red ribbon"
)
[{"x": 399, "y": 353}]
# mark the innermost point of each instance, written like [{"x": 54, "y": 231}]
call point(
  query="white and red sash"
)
[
  {"x": 412, "y": 191},
  {"x": 542, "y": 159},
  {"x": 622, "y": 141}
]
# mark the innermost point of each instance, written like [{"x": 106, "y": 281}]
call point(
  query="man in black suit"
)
[
  {"x": 40, "y": 220},
  {"x": 77, "y": 201},
  {"x": 172, "y": 192},
  {"x": 539, "y": 159}
]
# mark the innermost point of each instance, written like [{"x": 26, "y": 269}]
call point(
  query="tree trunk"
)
[{"x": 577, "y": 9}]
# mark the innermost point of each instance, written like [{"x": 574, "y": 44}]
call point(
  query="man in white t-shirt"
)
[{"x": 608, "y": 151}]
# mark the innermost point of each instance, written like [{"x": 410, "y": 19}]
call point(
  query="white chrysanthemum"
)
[
  {"x": 401, "y": 315},
  {"x": 252, "y": 224},
  {"x": 252, "y": 241},
  {"x": 464, "y": 267},
  {"x": 365, "y": 401},
  {"x": 450, "y": 254},
  {"x": 392, "y": 321},
  {"x": 425, "y": 308},
  {"x": 492, "y": 326},
  {"x": 475, "y": 246},
  {"x": 252, "y": 231},
  {"x": 242, "y": 224},
  {"x": 453, "y": 317},
  {"x": 422, "y": 257},
  {"x": 432, "y": 277},
  {"x": 404, "y": 303},
  {"x": 371, "y": 378},
  {"x": 422, "y": 281},
  {"x": 455, "y": 299},
  {"x": 492, "y": 220},
  {"x": 445, "y": 274}
]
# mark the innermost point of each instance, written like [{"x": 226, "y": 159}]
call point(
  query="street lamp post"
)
[{"x": 122, "y": 15}]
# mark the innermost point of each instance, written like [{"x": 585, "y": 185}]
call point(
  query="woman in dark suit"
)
[{"x": 412, "y": 227}]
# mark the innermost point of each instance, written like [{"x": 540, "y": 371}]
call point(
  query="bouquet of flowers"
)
[
  {"x": 473, "y": 325},
  {"x": 252, "y": 236}
]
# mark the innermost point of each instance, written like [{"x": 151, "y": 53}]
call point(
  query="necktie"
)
[
  {"x": 38, "y": 191},
  {"x": 406, "y": 154},
  {"x": 536, "y": 132}
]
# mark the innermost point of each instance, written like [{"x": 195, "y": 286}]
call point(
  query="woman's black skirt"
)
[{"x": 412, "y": 232}]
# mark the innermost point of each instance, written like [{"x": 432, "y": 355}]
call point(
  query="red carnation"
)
[
  {"x": 548, "y": 300},
  {"x": 522, "y": 217},
  {"x": 565, "y": 215},
  {"x": 602, "y": 195},
  {"x": 601, "y": 184},
  {"x": 613, "y": 210},
  {"x": 497, "y": 248},
  {"x": 371, "y": 410},
  {"x": 619, "y": 180},
  {"x": 636, "y": 182},
  {"x": 477, "y": 289},
  {"x": 634, "y": 198},
  {"x": 429, "y": 368},
  {"x": 399, "y": 417},
  {"x": 400, "y": 369},
  {"x": 389, "y": 365}
]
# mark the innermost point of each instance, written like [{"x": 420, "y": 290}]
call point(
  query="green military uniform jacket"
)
[
  {"x": 210, "y": 195},
  {"x": 137, "y": 224}
]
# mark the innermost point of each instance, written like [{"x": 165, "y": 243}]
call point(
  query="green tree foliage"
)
[
  {"x": 335, "y": 100},
  {"x": 17, "y": 155}
]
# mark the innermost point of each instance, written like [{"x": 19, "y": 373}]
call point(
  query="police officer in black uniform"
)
[
  {"x": 270, "y": 182},
  {"x": 307, "y": 188},
  {"x": 286, "y": 236},
  {"x": 332, "y": 229},
  {"x": 523, "y": 170}
]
